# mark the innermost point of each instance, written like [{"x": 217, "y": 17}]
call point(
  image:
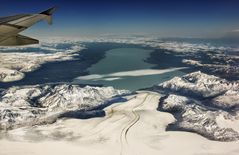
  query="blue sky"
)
[{"x": 173, "y": 18}]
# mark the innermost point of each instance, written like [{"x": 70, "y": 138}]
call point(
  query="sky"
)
[{"x": 165, "y": 18}]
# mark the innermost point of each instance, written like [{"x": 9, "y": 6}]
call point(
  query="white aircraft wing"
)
[{"x": 11, "y": 26}]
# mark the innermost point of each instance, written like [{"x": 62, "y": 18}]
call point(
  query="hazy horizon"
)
[{"x": 201, "y": 19}]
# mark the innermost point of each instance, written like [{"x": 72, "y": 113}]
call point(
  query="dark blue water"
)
[{"x": 67, "y": 71}]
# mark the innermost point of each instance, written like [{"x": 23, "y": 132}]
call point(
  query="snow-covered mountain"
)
[
  {"x": 202, "y": 103},
  {"x": 29, "y": 105}
]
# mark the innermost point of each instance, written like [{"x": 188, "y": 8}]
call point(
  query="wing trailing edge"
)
[{"x": 18, "y": 40}]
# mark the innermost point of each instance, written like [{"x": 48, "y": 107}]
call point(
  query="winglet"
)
[{"x": 49, "y": 12}]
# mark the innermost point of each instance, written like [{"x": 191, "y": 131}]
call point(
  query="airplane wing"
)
[
  {"x": 12, "y": 25},
  {"x": 18, "y": 40}
]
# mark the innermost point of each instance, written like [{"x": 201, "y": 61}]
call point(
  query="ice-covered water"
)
[{"x": 126, "y": 68}]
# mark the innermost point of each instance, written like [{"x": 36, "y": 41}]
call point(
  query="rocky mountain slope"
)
[
  {"x": 202, "y": 103},
  {"x": 30, "y": 105}
]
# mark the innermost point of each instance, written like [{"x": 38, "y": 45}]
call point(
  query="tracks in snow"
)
[{"x": 124, "y": 132}]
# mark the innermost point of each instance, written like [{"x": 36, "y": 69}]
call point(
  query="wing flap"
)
[
  {"x": 14, "y": 26},
  {"x": 18, "y": 40}
]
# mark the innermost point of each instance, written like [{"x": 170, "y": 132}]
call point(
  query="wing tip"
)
[{"x": 49, "y": 12}]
